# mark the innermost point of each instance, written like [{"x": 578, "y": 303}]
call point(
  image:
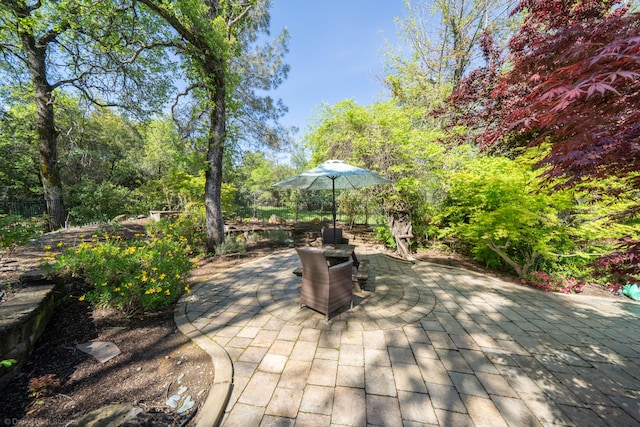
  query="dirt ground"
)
[{"x": 156, "y": 360}]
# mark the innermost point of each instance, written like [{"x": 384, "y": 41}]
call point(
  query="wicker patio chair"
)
[
  {"x": 328, "y": 236},
  {"x": 324, "y": 289}
]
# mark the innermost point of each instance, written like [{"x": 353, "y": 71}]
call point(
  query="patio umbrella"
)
[{"x": 334, "y": 174}]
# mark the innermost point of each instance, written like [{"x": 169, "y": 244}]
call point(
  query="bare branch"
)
[
  {"x": 144, "y": 47},
  {"x": 72, "y": 81},
  {"x": 236, "y": 20},
  {"x": 51, "y": 35},
  {"x": 182, "y": 94},
  {"x": 10, "y": 50},
  {"x": 89, "y": 96}
]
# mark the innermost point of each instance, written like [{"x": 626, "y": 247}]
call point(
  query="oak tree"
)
[
  {"x": 82, "y": 45},
  {"x": 216, "y": 41},
  {"x": 441, "y": 44}
]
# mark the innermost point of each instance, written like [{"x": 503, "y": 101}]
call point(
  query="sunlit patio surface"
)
[{"x": 424, "y": 344}]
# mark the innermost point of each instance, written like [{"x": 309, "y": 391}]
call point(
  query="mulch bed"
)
[{"x": 155, "y": 361}]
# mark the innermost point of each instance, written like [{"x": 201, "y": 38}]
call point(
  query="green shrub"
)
[
  {"x": 231, "y": 246},
  {"x": 384, "y": 235},
  {"x": 178, "y": 190},
  {"x": 101, "y": 202},
  {"x": 277, "y": 237},
  {"x": 493, "y": 207},
  {"x": 16, "y": 231},
  {"x": 129, "y": 276},
  {"x": 252, "y": 236},
  {"x": 188, "y": 229},
  {"x": 173, "y": 191}
]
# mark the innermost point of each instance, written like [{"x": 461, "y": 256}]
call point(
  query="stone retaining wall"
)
[{"x": 22, "y": 320}]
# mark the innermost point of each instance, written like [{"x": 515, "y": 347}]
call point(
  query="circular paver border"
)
[{"x": 276, "y": 290}]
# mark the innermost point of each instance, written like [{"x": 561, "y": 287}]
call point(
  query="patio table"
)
[{"x": 337, "y": 253}]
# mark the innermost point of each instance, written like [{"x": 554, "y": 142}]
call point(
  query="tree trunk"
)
[
  {"x": 401, "y": 229},
  {"x": 213, "y": 184},
  {"x": 521, "y": 270},
  {"x": 47, "y": 133}
]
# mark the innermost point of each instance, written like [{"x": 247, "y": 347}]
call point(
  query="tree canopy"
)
[
  {"x": 96, "y": 48},
  {"x": 581, "y": 61},
  {"x": 572, "y": 80},
  {"x": 214, "y": 38}
]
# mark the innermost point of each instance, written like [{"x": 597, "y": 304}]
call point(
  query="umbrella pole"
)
[{"x": 333, "y": 185}]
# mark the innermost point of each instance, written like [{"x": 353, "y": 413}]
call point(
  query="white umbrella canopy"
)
[{"x": 334, "y": 174}]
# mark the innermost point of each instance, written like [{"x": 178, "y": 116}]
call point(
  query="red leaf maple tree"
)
[
  {"x": 573, "y": 80},
  {"x": 580, "y": 65}
]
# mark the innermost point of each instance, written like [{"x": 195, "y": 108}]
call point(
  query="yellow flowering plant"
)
[
  {"x": 131, "y": 276},
  {"x": 187, "y": 229}
]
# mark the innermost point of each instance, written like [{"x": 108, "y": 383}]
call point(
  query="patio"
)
[{"x": 424, "y": 345}]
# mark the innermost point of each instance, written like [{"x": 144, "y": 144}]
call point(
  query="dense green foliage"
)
[
  {"x": 19, "y": 169},
  {"x": 569, "y": 80},
  {"x": 149, "y": 272},
  {"x": 492, "y": 205},
  {"x": 187, "y": 228},
  {"x": 129, "y": 276},
  {"x": 396, "y": 142},
  {"x": 16, "y": 231},
  {"x": 97, "y": 49}
]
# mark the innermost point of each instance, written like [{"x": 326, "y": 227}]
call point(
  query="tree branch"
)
[
  {"x": 499, "y": 250},
  {"x": 34, "y": 6},
  {"x": 184, "y": 130},
  {"x": 238, "y": 18},
  {"x": 184, "y": 32},
  {"x": 71, "y": 82},
  {"x": 7, "y": 49},
  {"x": 144, "y": 47},
  {"x": 94, "y": 100},
  {"x": 181, "y": 94}
]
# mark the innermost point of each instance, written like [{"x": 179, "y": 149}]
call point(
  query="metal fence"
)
[
  {"x": 25, "y": 208},
  {"x": 264, "y": 213},
  {"x": 34, "y": 208}
]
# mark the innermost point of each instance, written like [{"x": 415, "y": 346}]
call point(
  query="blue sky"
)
[{"x": 335, "y": 52}]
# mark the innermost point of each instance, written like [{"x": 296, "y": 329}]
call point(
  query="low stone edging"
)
[
  {"x": 212, "y": 410},
  {"x": 23, "y": 319}
]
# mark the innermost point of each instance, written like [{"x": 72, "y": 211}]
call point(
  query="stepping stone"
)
[
  {"x": 108, "y": 416},
  {"x": 101, "y": 350}
]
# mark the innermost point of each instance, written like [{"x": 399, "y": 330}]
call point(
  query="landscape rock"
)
[
  {"x": 108, "y": 416},
  {"x": 101, "y": 350}
]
